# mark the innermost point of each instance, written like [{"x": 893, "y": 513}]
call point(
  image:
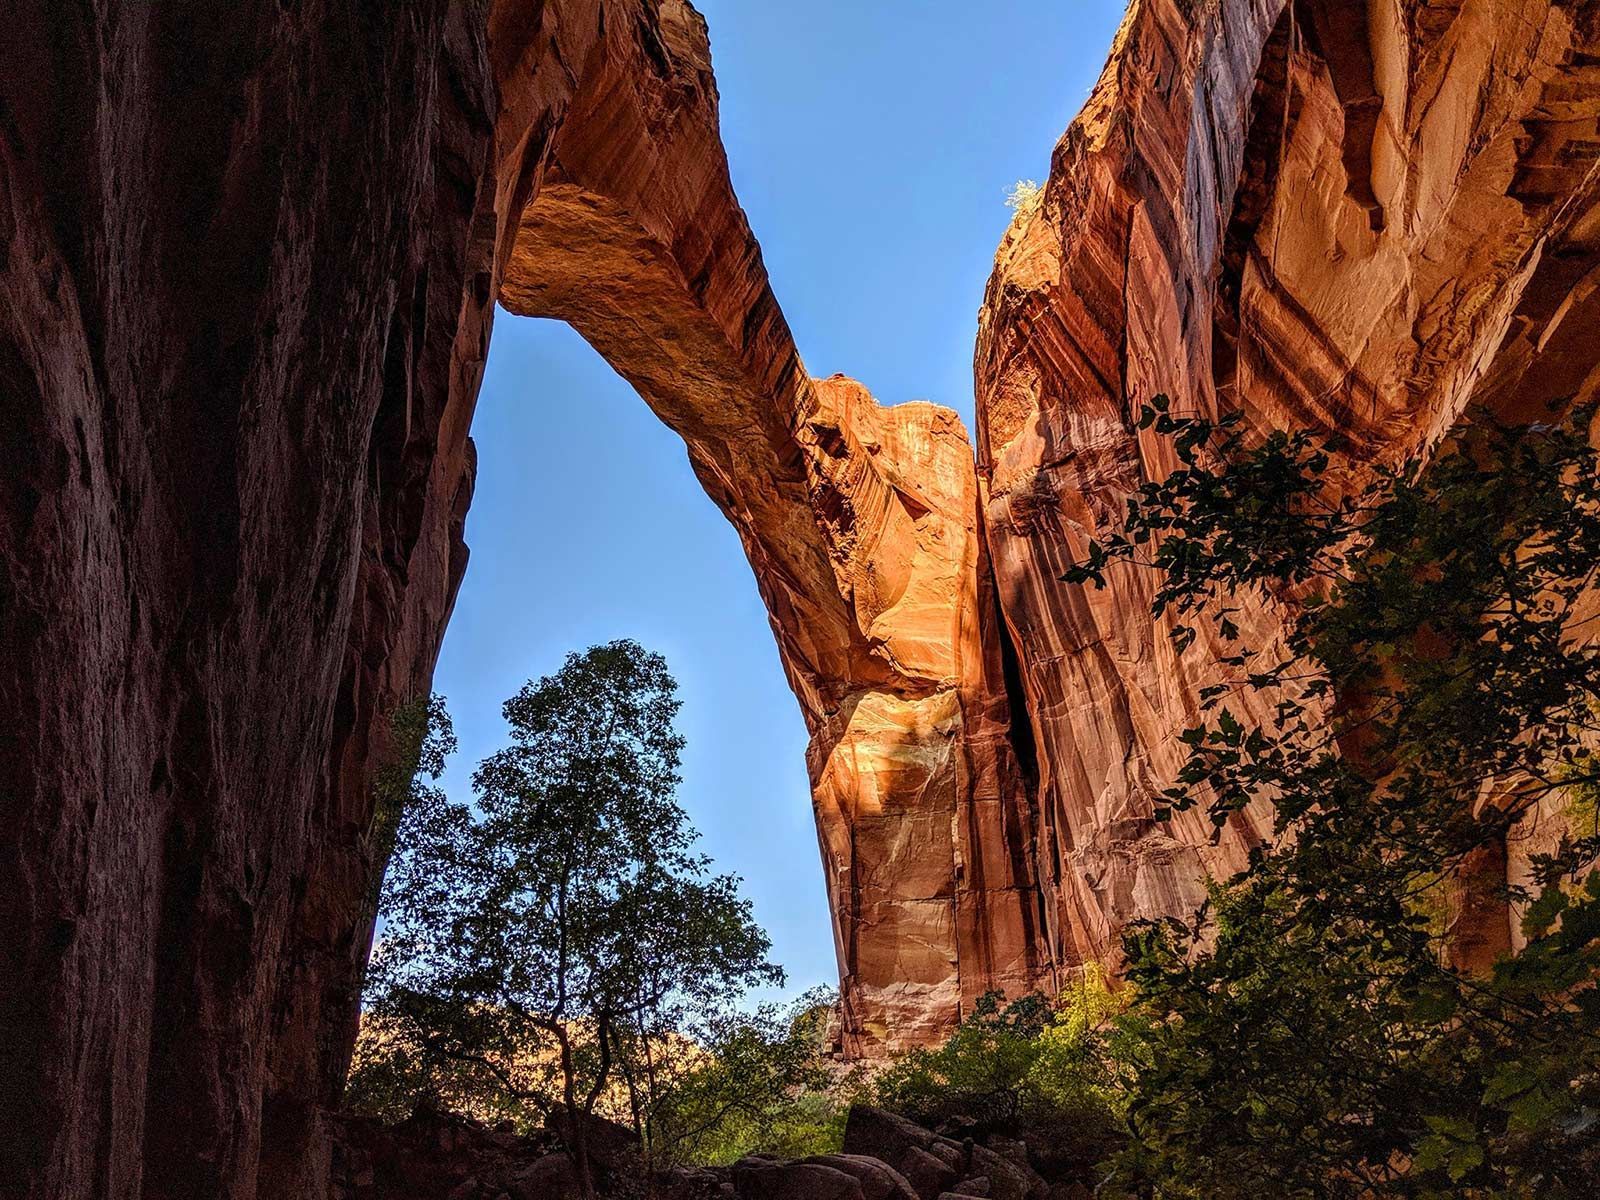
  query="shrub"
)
[
  {"x": 1048, "y": 1071},
  {"x": 1024, "y": 196},
  {"x": 1311, "y": 1033},
  {"x": 767, "y": 1088},
  {"x": 753, "y": 1081}
]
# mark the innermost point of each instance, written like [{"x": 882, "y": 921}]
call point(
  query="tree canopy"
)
[{"x": 560, "y": 942}]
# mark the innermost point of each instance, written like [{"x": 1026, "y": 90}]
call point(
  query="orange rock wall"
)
[
  {"x": 1360, "y": 218},
  {"x": 249, "y": 263}
]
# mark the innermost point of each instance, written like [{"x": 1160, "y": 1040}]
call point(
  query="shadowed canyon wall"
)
[
  {"x": 249, "y": 266},
  {"x": 248, "y": 270}
]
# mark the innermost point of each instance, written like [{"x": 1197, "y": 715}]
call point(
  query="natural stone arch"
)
[
  {"x": 248, "y": 268},
  {"x": 606, "y": 203},
  {"x": 859, "y": 523}
]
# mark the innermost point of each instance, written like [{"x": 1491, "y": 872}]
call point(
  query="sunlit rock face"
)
[
  {"x": 248, "y": 269},
  {"x": 1364, "y": 219},
  {"x": 921, "y": 805}
]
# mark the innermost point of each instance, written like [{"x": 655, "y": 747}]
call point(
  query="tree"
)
[
  {"x": 1316, "y": 1030},
  {"x": 552, "y": 943},
  {"x": 749, "y": 1081}
]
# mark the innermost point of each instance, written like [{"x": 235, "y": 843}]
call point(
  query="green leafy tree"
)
[
  {"x": 749, "y": 1082},
  {"x": 550, "y": 946},
  {"x": 1317, "y": 1031},
  {"x": 387, "y": 1076}
]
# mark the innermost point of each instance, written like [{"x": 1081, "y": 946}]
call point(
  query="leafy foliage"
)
[
  {"x": 1317, "y": 1030},
  {"x": 1029, "y": 1065},
  {"x": 563, "y": 945},
  {"x": 759, "y": 1084}
]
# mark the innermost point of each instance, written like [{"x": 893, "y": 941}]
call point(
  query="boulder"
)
[
  {"x": 1007, "y": 1180},
  {"x": 879, "y": 1181},
  {"x": 691, "y": 1183},
  {"x": 552, "y": 1177},
  {"x": 763, "y": 1178},
  {"x": 1009, "y": 1147},
  {"x": 879, "y": 1133},
  {"x": 926, "y": 1172},
  {"x": 930, "y": 1164},
  {"x": 609, "y": 1144}
]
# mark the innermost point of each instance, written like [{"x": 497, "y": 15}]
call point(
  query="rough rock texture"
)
[
  {"x": 1359, "y": 218},
  {"x": 433, "y": 1156},
  {"x": 933, "y": 1164},
  {"x": 860, "y": 524},
  {"x": 248, "y": 266},
  {"x": 235, "y": 304}
]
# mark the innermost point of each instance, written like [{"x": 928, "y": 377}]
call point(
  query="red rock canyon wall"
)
[
  {"x": 248, "y": 269},
  {"x": 1360, "y": 218}
]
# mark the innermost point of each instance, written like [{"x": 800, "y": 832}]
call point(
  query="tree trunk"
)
[{"x": 576, "y": 1135}]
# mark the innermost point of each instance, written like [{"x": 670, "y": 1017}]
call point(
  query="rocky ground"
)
[{"x": 435, "y": 1156}]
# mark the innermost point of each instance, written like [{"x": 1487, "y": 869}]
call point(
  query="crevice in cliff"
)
[
  {"x": 1019, "y": 720},
  {"x": 1273, "y": 113},
  {"x": 1342, "y": 35},
  {"x": 1028, "y": 863}
]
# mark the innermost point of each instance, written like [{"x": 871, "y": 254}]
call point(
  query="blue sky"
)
[{"x": 872, "y": 143}]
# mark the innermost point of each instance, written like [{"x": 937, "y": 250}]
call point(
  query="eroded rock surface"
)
[
  {"x": 1361, "y": 219},
  {"x": 236, "y": 303},
  {"x": 248, "y": 268}
]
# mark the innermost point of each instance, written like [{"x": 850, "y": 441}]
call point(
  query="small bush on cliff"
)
[
  {"x": 561, "y": 947},
  {"x": 1024, "y": 196},
  {"x": 1318, "y": 1030}
]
